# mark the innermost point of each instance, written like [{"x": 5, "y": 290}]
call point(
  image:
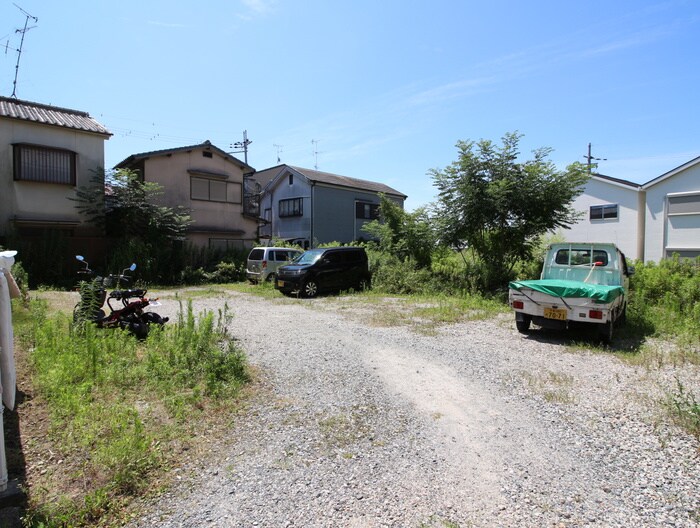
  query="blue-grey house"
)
[{"x": 310, "y": 207}]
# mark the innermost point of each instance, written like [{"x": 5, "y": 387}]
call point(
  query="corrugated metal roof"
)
[
  {"x": 346, "y": 181},
  {"x": 50, "y": 115}
]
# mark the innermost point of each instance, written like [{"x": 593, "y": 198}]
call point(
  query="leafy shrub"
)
[{"x": 666, "y": 297}]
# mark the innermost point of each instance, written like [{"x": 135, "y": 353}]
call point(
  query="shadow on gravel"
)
[{"x": 626, "y": 340}]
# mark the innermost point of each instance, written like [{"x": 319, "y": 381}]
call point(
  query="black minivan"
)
[{"x": 324, "y": 269}]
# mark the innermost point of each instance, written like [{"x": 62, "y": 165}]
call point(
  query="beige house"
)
[
  {"x": 209, "y": 183},
  {"x": 46, "y": 153}
]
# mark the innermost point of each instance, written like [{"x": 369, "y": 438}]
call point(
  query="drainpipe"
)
[{"x": 311, "y": 206}]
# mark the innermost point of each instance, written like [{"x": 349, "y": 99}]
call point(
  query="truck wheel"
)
[
  {"x": 623, "y": 316},
  {"x": 522, "y": 323},
  {"x": 606, "y": 332}
]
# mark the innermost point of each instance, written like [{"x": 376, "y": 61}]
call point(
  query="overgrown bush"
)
[{"x": 666, "y": 297}]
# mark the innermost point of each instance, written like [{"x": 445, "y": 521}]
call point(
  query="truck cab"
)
[{"x": 580, "y": 283}]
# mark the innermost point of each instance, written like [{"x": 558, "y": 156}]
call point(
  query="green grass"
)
[
  {"x": 117, "y": 406},
  {"x": 684, "y": 408}
]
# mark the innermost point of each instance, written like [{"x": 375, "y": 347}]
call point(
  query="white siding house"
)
[
  {"x": 610, "y": 212},
  {"x": 673, "y": 213},
  {"x": 647, "y": 222}
]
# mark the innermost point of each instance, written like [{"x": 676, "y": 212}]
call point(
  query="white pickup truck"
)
[{"x": 580, "y": 282}]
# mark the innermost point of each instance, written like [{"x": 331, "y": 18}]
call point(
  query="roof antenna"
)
[
  {"x": 314, "y": 142},
  {"x": 279, "y": 151},
  {"x": 21, "y": 43}
]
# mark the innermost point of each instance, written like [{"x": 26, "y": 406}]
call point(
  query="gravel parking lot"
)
[{"x": 359, "y": 425}]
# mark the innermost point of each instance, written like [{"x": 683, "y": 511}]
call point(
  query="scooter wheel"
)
[
  {"x": 153, "y": 317},
  {"x": 139, "y": 329}
]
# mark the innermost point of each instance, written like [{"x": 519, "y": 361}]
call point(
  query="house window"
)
[
  {"x": 207, "y": 154},
  {"x": 366, "y": 210},
  {"x": 215, "y": 190},
  {"x": 688, "y": 204},
  {"x": 225, "y": 244},
  {"x": 603, "y": 212},
  {"x": 43, "y": 164},
  {"x": 291, "y": 179},
  {"x": 292, "y": 207}
]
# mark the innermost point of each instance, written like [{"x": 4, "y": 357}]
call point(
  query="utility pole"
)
[
  {"x": 242, "y": 145},
  {"x": 590, "y": 159}
]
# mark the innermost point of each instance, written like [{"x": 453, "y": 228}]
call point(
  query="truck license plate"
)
[
  {"x": 280, "y": 283},
  {"x": 555, "y": 313}
]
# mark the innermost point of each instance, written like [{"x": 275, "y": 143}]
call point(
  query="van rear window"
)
[
  {"x": 581, "y": 257},
  {"x": 256, "y": 254}
]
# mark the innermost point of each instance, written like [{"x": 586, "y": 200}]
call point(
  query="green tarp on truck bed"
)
[{"x": 569, "y": 288}]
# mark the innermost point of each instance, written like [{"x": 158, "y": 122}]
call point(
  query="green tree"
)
[
  {"x": 497, "y": 207},
  {"x": 127, "y": 208},
  {"x": 405, "y": 235}
]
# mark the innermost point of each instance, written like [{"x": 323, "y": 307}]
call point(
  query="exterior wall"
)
[
  {"x": 334, "y": 214},
  {"x": 328, "y": 211},
  {"x": 290, "y": 227},
  {"x": 666, "y": 233},
  {"x": 623, "y": 231},
  {"x": 44, "y": 201},
  {"x": 213, "y": 222}
]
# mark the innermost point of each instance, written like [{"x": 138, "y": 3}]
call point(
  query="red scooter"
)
[{"x": 130, "y": 316}]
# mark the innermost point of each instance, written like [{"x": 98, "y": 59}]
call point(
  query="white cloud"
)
[
  {"x": 166, "y": 24},
  {"x": 260, "y": 7}
]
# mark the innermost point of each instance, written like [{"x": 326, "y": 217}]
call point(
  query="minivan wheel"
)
[
  {"x": 310, "y": 288},
  {"x": 271, "y": 277}
]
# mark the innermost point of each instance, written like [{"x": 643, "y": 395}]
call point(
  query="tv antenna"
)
[
  {"x": 314, "y": 142},
  {"x": 279, "y": 151},
  {"x": 242, "y": 146},
  {"x": 22, "y": 31},
  {"x": 590, "y": 159}
]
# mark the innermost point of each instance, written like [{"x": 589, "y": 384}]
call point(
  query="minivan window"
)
[
  {"x": 309, "y": 257},
  {"x": 256, "y": 254}
]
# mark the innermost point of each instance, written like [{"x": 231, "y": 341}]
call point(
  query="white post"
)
[{"x": 8, "y": 378}]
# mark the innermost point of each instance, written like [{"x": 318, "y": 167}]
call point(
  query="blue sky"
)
[{"x": 385, "y": 87}]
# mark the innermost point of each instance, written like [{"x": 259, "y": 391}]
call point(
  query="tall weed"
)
[
  {"x": 665, "y": 299},
  {"x": 116, "y": 403}
]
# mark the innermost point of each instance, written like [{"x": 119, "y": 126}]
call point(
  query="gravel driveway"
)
[{"x": 358, "y": 425}]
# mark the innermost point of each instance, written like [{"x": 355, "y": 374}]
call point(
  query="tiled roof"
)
[
  {"x": 345, "y": 181},
  {"x": 164, "y": 152},
  {"x": 50, "y": 115}
]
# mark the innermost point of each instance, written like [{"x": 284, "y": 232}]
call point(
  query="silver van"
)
[{"x": 263, "y": 262}]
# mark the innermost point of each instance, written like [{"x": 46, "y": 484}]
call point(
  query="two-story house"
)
[
  {"x": 649, "y": 221},
  {"x": 46, "y": 153},
  {"x": 310, "y": 207},
  {"x": 207, "y": 181}
]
